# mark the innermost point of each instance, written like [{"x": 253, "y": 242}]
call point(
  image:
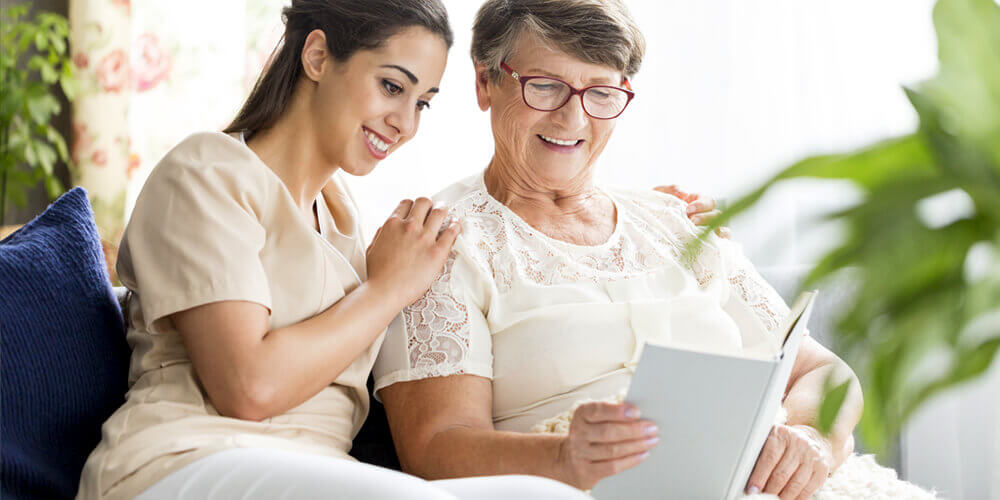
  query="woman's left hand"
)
[
  {"x": 700, "y": 209},
  {"x": 793, "y": 464}
]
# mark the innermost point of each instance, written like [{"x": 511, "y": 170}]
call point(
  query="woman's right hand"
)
[
  {"x": 409, "y": 250},
  {"x": 604, "y": 439}
]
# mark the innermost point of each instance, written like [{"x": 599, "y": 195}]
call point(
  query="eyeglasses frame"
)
[{"x": 524, "y": 79}]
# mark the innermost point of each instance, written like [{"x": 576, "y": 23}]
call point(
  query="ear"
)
[
  {"x": 315, "y": 56},
  {"x": 626, "y": 84},
  {"x": 482, "y": 86}
]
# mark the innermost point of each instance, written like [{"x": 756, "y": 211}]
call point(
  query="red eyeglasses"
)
[{"x": 544, "y": 93}]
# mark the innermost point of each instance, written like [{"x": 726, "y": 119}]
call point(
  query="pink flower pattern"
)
[
  {"x": 150, "y": 64},
  {"x": 112, "y": 71}
]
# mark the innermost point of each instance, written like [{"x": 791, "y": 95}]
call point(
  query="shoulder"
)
[
  {"x": 647, "y": 203},
  {"x": 209, "y": 149},
  {"x": 214, "y": 156},
  {"x": 211, "y": 168},
  {"x": 467, "y": 201}
]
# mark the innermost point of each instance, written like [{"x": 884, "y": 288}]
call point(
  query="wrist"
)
[
  {"x": 823, "y": 444},
  {"x": 385, "y": 293},
  {"x": 384, "y": 296},
  {"x": 561, "y": 467}
]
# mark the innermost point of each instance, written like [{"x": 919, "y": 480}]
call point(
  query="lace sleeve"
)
[
  {"x": 749, "y": 287},
  {"x": 438, "y": 335}
]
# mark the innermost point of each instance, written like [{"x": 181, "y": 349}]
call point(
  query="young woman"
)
[{"x": 257, "y": 311}]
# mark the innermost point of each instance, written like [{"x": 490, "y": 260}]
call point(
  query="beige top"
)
[
  {"x": 552, "y": 323},
  {"x": 214, "y": 223}
]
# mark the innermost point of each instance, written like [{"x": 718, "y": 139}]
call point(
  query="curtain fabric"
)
[{"x": 152, "y": 72}]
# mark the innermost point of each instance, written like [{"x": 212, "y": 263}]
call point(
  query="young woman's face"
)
[{"x": 368, "y": 106}]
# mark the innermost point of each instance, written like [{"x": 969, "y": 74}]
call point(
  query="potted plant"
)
[
  {"x": 926, "y": 312},
  {"x": 34, "y": 58}
]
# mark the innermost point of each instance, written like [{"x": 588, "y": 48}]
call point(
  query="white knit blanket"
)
[{"x": 858, "y": 477}]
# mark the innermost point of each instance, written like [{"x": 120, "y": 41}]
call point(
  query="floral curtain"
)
[{"x": 152, "y": 72}]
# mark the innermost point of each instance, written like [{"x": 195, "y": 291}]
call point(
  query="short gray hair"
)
[{"x": 596, "y": 31}]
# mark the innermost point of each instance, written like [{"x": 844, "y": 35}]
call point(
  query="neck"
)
[
  {"x": 291, "y": 150},
  {"x": 521, "y": 189}
]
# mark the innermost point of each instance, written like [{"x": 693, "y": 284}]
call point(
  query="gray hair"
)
[{"x": 596, "y": 31}]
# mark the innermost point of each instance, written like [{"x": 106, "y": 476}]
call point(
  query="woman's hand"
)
[
  {"x": 700, "y": 209},
  {"x": 409, "y": 250},
  {"x": 604, "y": 439},
  {"x": 793, "y": 464}
]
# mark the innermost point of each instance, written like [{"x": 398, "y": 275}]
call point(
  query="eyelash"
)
[{"x": 393, "y": 90}]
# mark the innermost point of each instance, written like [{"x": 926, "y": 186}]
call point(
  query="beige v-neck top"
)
[{"x": 214, "y": 223}]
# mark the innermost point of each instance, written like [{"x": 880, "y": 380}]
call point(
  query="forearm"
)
[
  {"x": 806, "y": 396},
  {"x": 465, "y": 451},
  {"x": 297, "y": 361}
]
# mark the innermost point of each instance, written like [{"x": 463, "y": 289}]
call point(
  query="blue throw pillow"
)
[{"x": 64, "y": 355}]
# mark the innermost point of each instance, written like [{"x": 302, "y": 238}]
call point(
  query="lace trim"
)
[
  {"x": 437, "y": 325},
  {"x": 433, "y": 371},
  {"x": 757, "y": 296},
  {"x": 507, "y": 249}
]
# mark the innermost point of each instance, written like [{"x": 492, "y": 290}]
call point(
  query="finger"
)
[
  {"x": 700, "y": 205},
  {"x": 704, "y": 218},
  {"x": 798, "y": 482},
  {"x": 435, "y": 218},
  {"x": 815, "y": 482},
  {"x": 613, "y": 432},
  {"x": 783, "y": 472},
  {"x": 672, "y": 190},
  {"x": 724, "y": 232},
  {"x": 418, "y": 213},
  {"x": 769, "y": 456},
  {"x": 597, "y": 412},
  {"x": 621, "y": 449},
  {"x": 605, "y": 468},
  {"x": 446, "y": 239},
  {"x": 403, "y": 209}
]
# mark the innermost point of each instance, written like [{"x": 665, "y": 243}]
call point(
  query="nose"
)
[
  {"x": 571, "y": 115},
  {"x": 403, "y": 120}
]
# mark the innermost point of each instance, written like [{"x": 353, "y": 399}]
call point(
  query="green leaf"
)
[
  {"x": 832, "y": 402},
  {"x": 42, "y": 108},
  {"x": 41, "y": 41},
  {"x": 68, "y": 82},
  {"x": 54, "y": 187},
  {"x": 46, "y": 157}
]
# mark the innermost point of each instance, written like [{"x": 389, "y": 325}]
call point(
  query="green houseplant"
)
[
  {"x": 29, "y": 145},
  {"x": 926, "y": 312}
]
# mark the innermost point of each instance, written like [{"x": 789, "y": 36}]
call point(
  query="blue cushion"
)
[{"x": 64, "y": 354}]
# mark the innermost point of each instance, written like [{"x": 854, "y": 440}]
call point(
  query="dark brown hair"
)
[
  {"x": 349, "y": 26},
  {"x": 596, "y": 31}
]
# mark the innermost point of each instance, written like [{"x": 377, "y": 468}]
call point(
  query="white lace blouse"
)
[{"x": 551, "y": 323}]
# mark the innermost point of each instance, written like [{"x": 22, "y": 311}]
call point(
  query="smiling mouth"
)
[
  {"x": 375, "y": 141},
  {"x": 560, "y": 142}
]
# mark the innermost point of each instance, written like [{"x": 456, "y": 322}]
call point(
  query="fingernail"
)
[
  {"x": 650, "y": 430},
  {"x": 632, "y": 413},
  {"x": 691, "y": 209},
  {"x": 753, "y": 490},
  {"x": 653, "y": 440},
  {"x": 644, "y": 456}
]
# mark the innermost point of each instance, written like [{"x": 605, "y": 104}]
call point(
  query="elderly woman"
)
[{"x": 555, "y": 282}]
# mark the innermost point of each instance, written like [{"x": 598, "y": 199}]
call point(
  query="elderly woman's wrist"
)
[{"x": 562, "y": 466}]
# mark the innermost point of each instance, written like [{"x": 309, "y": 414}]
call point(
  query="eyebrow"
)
[
  {"x": 541, "y": 72},
  {"x": 413, "y": 78}
]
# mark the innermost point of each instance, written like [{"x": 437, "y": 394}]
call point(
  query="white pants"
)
[{"x": 257, "y": 473}]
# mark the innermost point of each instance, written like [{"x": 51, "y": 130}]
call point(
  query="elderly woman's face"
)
[{"x": 550, "y": 147}]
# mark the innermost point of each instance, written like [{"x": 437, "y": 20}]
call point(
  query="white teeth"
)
[
  {"x": 381, "y": 146},
  {"x": 557, "y": 142}
]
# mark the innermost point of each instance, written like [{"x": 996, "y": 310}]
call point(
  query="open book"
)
[{"x": 714, "y": 412}]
